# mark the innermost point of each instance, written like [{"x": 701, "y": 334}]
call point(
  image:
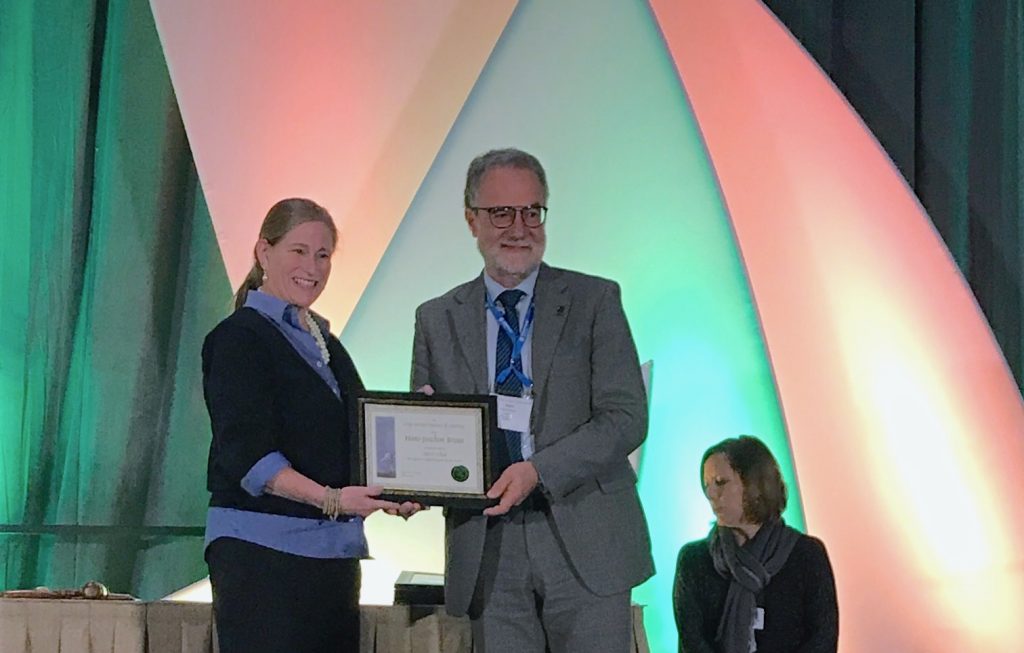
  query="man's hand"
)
[
  {"x": 514, "y": 485},
  {"x": 407, "y": 509}
]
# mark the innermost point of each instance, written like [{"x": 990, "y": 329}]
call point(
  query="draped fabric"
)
[
  {"x": 939, "y": 84},
  {"x": 109, "y": 278}
]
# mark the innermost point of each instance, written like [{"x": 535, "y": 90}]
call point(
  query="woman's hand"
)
[
  {"x": 362, "y": 501},
  {"x": 355, "y": 499}
]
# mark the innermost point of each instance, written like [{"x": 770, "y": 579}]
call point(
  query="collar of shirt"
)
[
  {"x": 280, "y": 311},
  {"x": 527, "y": 286},
  {"x": 285, "y": 318}
]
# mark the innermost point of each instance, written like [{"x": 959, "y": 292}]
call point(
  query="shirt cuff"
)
[{"x": 266, "y": 468}]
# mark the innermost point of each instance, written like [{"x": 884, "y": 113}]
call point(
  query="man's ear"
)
[{"x": 471, "y": 221}]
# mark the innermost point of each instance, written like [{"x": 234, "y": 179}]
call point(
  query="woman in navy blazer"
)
[{"x": 285, "y": 526}]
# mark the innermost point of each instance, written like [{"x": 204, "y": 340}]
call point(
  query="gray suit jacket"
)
[{"x": 589, "y": 412}]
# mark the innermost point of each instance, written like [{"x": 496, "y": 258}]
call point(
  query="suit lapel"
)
[
  {"x": 468, "y": 322},
  {"x": 553, "y": 301}
]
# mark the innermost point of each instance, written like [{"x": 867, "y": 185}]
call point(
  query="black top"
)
[
  {"x": 801, "y": 614},
  {"x": 263, "y": 397}
]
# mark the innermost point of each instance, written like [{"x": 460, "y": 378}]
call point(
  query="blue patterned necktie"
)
[{"x": 511, "y": 385}]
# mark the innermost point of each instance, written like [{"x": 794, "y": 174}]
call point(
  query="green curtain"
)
[
  {"x": 939, "y": 84},
  {"x": 109, "y": 279}
]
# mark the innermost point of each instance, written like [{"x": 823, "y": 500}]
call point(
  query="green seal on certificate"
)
[{"x": 460, "y": 473}]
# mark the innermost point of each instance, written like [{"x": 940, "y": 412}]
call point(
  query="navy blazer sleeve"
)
[{"x": 237, "y": 385}]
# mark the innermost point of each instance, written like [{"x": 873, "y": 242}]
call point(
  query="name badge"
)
[
  {"x": 759, "y": 619},
  {"x": 514, "y": 413}
]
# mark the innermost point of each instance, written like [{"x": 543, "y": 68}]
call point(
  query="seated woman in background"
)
[{"x": 753, "y": 584}]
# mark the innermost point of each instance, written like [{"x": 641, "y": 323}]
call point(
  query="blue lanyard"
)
[{"x": 515, "y": 363}]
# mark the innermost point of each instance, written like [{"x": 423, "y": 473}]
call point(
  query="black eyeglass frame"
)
[{"x": 516, "y": 211}]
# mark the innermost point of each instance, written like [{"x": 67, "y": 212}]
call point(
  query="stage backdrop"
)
[{"x": 695, "y": 154}]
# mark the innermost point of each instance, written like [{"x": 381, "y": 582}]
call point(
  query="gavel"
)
[{"x": 92, "y": 590}]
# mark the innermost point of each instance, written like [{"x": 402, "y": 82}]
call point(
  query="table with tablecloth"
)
[{"x": 85, "y": 626}]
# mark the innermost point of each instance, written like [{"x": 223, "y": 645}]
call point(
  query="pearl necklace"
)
[{"x": 314, "y": 329}]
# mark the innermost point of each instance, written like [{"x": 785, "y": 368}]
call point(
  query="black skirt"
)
[{"x": 266, "y": 600}]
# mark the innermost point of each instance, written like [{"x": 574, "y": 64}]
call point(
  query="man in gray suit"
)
[{"x": 552, "y": 564}]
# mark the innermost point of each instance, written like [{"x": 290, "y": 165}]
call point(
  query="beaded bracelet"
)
[{"x": 332, "y": 503}]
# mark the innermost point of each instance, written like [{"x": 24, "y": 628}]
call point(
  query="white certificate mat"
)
[{"x": 419, "y": 448}]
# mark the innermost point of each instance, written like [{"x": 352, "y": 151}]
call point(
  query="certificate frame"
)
[{"x": 435, "y": 450}]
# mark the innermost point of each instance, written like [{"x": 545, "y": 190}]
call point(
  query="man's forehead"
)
[
  {"x": 509, "y": 171},
  {"x": 508, "y": 178}
]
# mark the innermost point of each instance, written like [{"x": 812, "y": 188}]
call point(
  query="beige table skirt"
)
[
  {"x": 78, "y": 626},
  {"x": 44, "y": 625}
]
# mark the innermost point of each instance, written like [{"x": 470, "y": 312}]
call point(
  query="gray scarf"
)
[{"x": 749, "y": 567}]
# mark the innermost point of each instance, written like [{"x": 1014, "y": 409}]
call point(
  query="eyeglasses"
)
[{"x": 502, "y": 217}]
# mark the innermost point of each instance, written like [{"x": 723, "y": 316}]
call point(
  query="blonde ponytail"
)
[{"x": 252, "y": 281}]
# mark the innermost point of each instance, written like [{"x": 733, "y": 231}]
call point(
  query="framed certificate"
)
[{"x": 436, "y": 450}]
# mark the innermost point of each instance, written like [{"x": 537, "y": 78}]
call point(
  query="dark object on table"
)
[{"x": 419, "y": 588}]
